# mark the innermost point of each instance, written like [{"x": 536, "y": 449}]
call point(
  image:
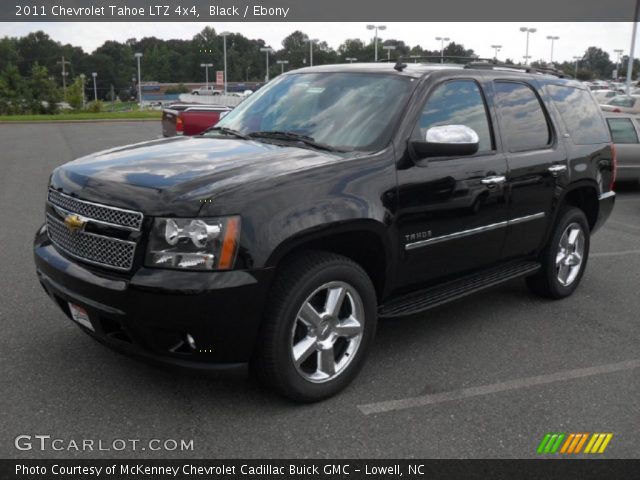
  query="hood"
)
[{"x": 174, "y": 176}]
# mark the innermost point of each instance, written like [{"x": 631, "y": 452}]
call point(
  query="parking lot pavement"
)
[{"x": 460, "y": 375}]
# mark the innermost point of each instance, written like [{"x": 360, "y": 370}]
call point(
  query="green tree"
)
[
  {"x": 597, "y": 62},
  {"x": 13, "y": 90},
  {"x": 45, "y": 94},
  {"x": 75, "y": 94}
]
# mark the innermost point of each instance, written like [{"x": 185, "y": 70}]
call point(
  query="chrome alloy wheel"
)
[
  {"x": 570, "y": 254},
  {"x": 327, "y": 332}
]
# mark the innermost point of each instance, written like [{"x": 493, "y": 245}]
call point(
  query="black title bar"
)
[{"x": 315, "y": 10}]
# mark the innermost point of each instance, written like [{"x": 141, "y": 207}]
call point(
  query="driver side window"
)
[{"x": 457, "y": 102}]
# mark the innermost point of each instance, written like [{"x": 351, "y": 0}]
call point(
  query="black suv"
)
[{"x": 331, "y": 197}]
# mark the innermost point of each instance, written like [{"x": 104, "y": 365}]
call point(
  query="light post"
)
[
  {"x": 248, "y": 67},
  {"x": 267, "y": 51},
  {"x": 311, "y": 42},
  {"x": 442, "y": 40},
  {"x": 577, "y": 59},
  {"x": 619, "y": 51},
  {"x": 206, "y": 67},
  {"x": 95, "y": 88},
  {"x": 527, "y": 30},
  {"x": 64, "y": 63},
  {"x": 388, "y": 48},
  {"x": 496, "y": 49},
  {"x": 282, "y": 63},
  {"x": 82, "y": 77},
  {"x": 138, "y": 56},
  {"x": 375, "y": 38},
  {"x": 351, "y": 59},
  {"x": 224, "y": 46},
  {"x": 553, "y": 39}
]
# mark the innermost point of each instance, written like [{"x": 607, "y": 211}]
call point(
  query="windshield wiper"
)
[
  {"x": 228, "y": 131},
  {"x": 295, "y": 137}
]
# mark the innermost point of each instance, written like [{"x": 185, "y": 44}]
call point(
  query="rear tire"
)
[
  {"x": 564, "y": 258},
  {"x": 318, "y": 326}
]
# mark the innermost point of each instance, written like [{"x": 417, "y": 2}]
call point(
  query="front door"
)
[{"x": 452, "y": 212}]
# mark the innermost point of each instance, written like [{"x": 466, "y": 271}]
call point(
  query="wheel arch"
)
[
  {"x": 366, "y": 242},
  {"x": 582, "y": 194}
]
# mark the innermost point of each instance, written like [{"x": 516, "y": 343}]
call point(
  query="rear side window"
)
[
  {"x": 524, "y": 123},
  {"x": 580, "y": 114},
  {"x": 622, "y": 130},
  {"x": 622, "y": 101}
]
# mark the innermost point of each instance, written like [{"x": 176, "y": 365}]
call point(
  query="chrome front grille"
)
[
  {"x": 92, "y": 248},
  {"x": 101, "y": 213}
]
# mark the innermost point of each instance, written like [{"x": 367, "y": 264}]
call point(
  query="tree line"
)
[{"x": 31, "y": 66}]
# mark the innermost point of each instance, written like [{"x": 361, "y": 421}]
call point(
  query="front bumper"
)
[
  {"x": 606, "y": 201},
  {"x": 151, "y": 313}
]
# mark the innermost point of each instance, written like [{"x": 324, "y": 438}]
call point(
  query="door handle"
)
[
  {"x": 556, "y": 170},
  {"x": 494, "y": 180}
]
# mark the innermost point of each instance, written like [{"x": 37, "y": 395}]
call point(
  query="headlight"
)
[{"x": 194, "y": 243}]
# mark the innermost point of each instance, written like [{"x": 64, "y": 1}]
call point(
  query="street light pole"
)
[
  {"x": 633, "y": 44},
  {"x": 527, "y": 30},
  {"x": 138, "y": 56},
  {"x": 553, "y": 39},
  {"x": 206, "y": 72},
  {"x": 95, "y": 88},
  {"x": 496, "y": 49},
  {"x": 375, "y": 38},
  {"x": 267, "y": 50},
  {"x": 577, "y": 59},
  {"x": 442, "y": 40},
  {"x": 224, "y": 40},
  {"x": 282, "y": 63},
  {"x": 311, "y": 42},
  {"x": 388, "y": 48},
  {"x": 619, "y": 51}
]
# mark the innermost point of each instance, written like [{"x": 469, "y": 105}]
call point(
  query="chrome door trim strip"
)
[
  {"x": 526, "y": 218},
  {"x": 473, "y": 231}
]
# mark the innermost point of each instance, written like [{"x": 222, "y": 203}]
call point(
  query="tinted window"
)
[
  {"x": 622, "y": 130},
  {"x": 580, "y": 114},
  {"x": 458, "y": 102},
  {"x": 523, "y": 121}
]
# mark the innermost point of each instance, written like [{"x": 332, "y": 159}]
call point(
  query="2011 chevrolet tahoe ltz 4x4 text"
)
[{"x": 331, "y": 197}]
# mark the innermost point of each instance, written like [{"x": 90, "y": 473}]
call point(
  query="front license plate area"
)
[{"x": 80, "y": 315}]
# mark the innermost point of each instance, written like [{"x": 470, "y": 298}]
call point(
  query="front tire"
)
[
  {"x": 564, "y": 259},
  {"x": 318, "y": 327}
]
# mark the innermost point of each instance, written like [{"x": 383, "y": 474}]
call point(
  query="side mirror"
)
[{"x": 447, "y": 141}]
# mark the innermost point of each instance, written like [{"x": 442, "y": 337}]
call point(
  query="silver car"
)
[{"x": 625, "y": 131}]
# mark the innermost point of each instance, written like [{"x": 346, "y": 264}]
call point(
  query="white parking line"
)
[
  {"x": 613, "y": 254},
  {"x": 432, "y": 399}
]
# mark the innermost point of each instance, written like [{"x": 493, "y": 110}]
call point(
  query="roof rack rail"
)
[
  {"x": 492, "y": 64},
  {"x": 438, "y": 58}
]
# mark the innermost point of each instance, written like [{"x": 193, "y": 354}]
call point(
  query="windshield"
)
[{"x": 350, "y": 111}]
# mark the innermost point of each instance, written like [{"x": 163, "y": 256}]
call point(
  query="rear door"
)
[{"x": 536, "y": 160}]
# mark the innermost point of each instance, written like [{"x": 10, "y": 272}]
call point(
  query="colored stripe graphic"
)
[{"x": 572, "y": 443}]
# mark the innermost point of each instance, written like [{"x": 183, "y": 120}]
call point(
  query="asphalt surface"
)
[{"x": 463, "y": 376}]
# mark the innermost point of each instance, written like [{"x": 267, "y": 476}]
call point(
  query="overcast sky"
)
[{"x": 575, "y": 38}]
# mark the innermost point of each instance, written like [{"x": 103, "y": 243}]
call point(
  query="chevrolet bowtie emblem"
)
[{"x": 74, "y": 222}]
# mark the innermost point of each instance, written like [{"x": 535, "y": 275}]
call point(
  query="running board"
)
[{"x": 431, "y": 297}]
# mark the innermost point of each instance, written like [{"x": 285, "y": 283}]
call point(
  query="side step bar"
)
[{"x": 431, "y": 297}]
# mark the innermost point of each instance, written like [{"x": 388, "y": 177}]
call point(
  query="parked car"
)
[
  {"x": 623, "y": 104},
  {"x": 334, "y": 195},
  {"x": 603, "y": 96},
  {"x": 209, "y": 90},
  {"x": 625, "y": 132},
  {"x": 189, "y": 119}
]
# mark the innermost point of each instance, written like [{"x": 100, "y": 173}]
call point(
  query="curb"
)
[{"x": 105, "y": 120}]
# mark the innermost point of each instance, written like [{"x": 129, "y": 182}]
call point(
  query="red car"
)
[{"x": 184, "y": 119}]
